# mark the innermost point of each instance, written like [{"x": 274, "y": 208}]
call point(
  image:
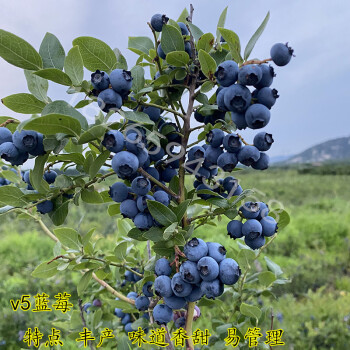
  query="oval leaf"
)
[
  {"x": 208, "y": 64},
  {"x": 54, "y": 75},
  {"x": 74, "y": 66},
  {"x": 177, "y": 58},
  {"x": 250, "y": 311},
  {"x": 23, "y": 103},
  {"x": 171, "y": 39},
  {"x": 161, "y": 213},
  {"x": 45, "y": 270}
]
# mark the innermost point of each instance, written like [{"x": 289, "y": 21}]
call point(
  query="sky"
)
[{"x": 313, "y": 87}]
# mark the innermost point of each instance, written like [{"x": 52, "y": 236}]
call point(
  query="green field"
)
[{"x": 313, "y": 251}]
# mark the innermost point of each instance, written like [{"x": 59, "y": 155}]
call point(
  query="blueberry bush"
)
[{"x": 165, "y": 132}]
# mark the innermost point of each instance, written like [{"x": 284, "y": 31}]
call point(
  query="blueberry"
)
[
  {"x": 230, "y": 183},
  {"x": 202, "y": 174},
  {"x": 189, "y": 272},
  {"x": 208, "y": 268},
  {"x": 125, "y": 164},
  {"x": 5, "y": 135},
  {"x": 248, "y": 155},
  {"x": 100, "y": 80},
  {"x": 86, "y": 306},
  {"x": 239, "y": 120},
  {"x": 136, "y": 277},
  {"x": 119, "y": 313},
  {"x": 255, "y": 243},
  {"x": 184, "y": 30},
  {"x": 252, "y": 229},
  {"x": 143, "y": 158},
  {"x": 179, "y": 286},
  {"x": 281, "y": 54},
  {"x": 195, "y": 294},
  {"x": 199, "y": 117},
  {"x": 157, "y": 21},
  {"x": 26, "y": 177},
  {"x": 264, "y": 210},
  {"x": 109, "y": 100},
  {"x": 216, "y": 251},
  {"x": 229, "y": 271},
  {"x": 162, "y": 314},
  {"x": 39, "y": 149},
  {"x": 140, "y": 186},
  {"x": 128, "y": 328},
  {"x": 195, "y": 249},
  {"x": 232, "y": 143},
  {"x": 126, "y": 319},
  {"x": 134, "y": 142},
  {"x": 162, "y": 286},
  {"x": 142, "y": 202},
  {"x": 263, "y": 141},
  {"x": 129, "y": 276},
  {"x": 215, "y": 137},
  {"x": 227, "y": 73},
  {"x": 268, "y": 73},
  {"x": 220, "y": 100},
  {"x": 156, "y": 153},
  {"x": 180, "y": 322},
  {"x": 162, "y": 267},
  {"x": 237, "y": 98},
  {"x": 167, "y": 174},
  {"x": 50, "y": 176},
  {"x": 143, "y": 221},
  {"x": 171, "y": 131},
  {"x": 128, "y": 208},
  {"x": 147, "y": 289},
  {"x": 250, "y": 210},
  {"x": 212, "y": 154},
  {"x": 227, "y": 161},
  {"x": 212, "y": 289},
  {"x": 26, "y": 140},
  {"x": 162, "y": 197},
  {"x": 250, "y": 74},
  {"x": 121, "y": 81},
  {"x": 142, "y": 303},
  {"x": 153, "y": 113},
  {"x": 205, "y": 196},
  {"x": 188, "y": 48},
  {"x": 97, "y": 303},
  {"x": 45, "y": 207},
  {"x": 119, "y": 192},
  {"x": 114, "y": 141},
  {"x": 174, "y": 302},
  {"x": 267, "y": 97},
  {"x": 234, "y": 229},
  {"x": 160, "y": 52},
  {"x": 262, "y": 163},
  {"x": 257, "y": 116},
  {"x": 269, "y": 226},
  {"x": 153, "y": 172},
  {"x": 132, "y": 295}
]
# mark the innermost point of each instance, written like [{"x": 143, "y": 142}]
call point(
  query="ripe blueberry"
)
[
  {"x": 250, "y": 74},
  {"x": 212, "y": 289},
  {"x": 132, "y": 295},
  {"x": 252, "y": 229},
  {"x": 162, "y": 197},
  {"x": 248, "y": 155},
  {"x": 114, "y": 141},
  {"x": 153, "y": 113},
  {"x": 162, "y": 267},
  {"x": 174, "y": 302},
  {"x": 195, "y": 294},
  {"x": 239, "y": 120},
  {"x": 215, "y": 137},
  {"x": 250, "y": 210},
  {"x": 121, "y": 81},
  {"x": 128, "y": 208},
  {"x": 142, "y": 202},
  {"x": 158, "y": 20},
  {"x": 232, "y": 143},
  {"x": 208, "y": 268},
  {"x": 196, "y": 152},
  {"x": 267, "y": 97},
  {"x": 263, "y": 141},
  {"x": 234, "y": 229},
  {"x": 179, "y": 286},
  {"x": 26, "y": 140},
  {"x": 262, "y": 163},
  {"x": 216, "y": 251},
  {"x": 281, "y": 54},
  {"x": 45, "y": 207},
  {"x": 195, "y": 249},
  {"x": 227, "y": 161},
  {"x": 255, "y": 243},
  {"x": 237, "y": 98},
  {"x": 257, "y": 116},
  {"x": 5, "y": 135},
  {"x": 268, "y": 73},
  {"x": 125, "y": 164},
  {"x": 269, "y": 226},
  {"x": 162, "y": 314},
  {"x": 140, "y": 186},
  {"x": 147, "y": 289},
  {"x": 119, "y": 192},
  {"x": 264, "y": 210},
  {"x": 227, "y": 73},
  {"x": 143, "y": 221},
  {"x": 229, "y": 271},
  {"x": 142, "y": 303},
  {"x": 109, "y": 100},
  {"x": 100, "y": 80},
  {"x": 50, "y": 176},
  {"x": 212, "y": 154},
  {"x": 162, "y": 286},
  {"x": 160, "y": 52},
  {"x": 189, "y": 272},
  {"x": 184, "y": 30}
]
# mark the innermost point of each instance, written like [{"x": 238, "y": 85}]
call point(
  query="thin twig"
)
[
  {"x": 8, "y": 121},
  {"x": 83, "y": 320},
  {"x": 170, "y": 110},
  {"x": 256, "y": 62}
]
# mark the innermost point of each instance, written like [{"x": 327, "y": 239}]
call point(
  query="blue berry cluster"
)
[
  {"x": 15, "y": 148},
  {"x": 111, "y": 90},
  {"x": 258, "y": 224},
  {"x": 204, "y": 273}
]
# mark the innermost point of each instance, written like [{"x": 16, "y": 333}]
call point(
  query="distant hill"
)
[{"x": 337, "y": 150}]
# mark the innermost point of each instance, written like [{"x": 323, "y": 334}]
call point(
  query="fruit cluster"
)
[
  {"x": 257, "y": 226},
  {"x": 15, "y": 148},
  {"x": 204, "y": 273}
]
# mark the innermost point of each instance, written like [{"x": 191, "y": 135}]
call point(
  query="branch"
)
[
  {"x": 244, "y": 141},
  {"x": 255, "y": 62},
  {"x": 170, "y": 110},
  {"x": 8, "y": 121},
  {"x": 188, "y": 327},
  {"x": 83, "y": 320}
]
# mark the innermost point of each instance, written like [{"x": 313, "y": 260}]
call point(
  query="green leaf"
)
[
  {"x": 68, "y": 237},
  {"x": 171, "y": 39},
  {"x": 23, "y": 103},
  {"x": 18, "y": 52},
  {"x": 154, "y": 234},
  {"x": 266, "y": 278},
  {"x": 183, "y": 17},
  {"x": 181, "y": 209},
  {"x": 135, "y": 233},
  {"x": 60, "y": 212},
  {"x": 13, "y": 196},
  {"x": 54, "y": 75},
  {"x": 98, "y": 163},
  {"x": 45, "y": 270},
  {"x": 138, "y": 78},
  {"x": 221, "y": 24},
  {"x": 113, "y": 209},
  {"x": 252, "y": 41},
  {"x": 273, "y": 267},
  {"x": 52, "y": 124},
  {"x": 63, "y": 181},
  {"x": 84, "y": 282},
  {"x": 93, "y": 133},
  {"x": 96, "y": 54},
  {"x": 208, "y": 64},
  {"x": 177, "y": 58},
  {"x": 245, "y": 258},
  {"x": 282, "y": 218},
  {"x": 122, "y": 64},
  {"x": 140, "y": 44},
  {"x": 10, "y": 175},
  {"x": 62, "y": 107},
  {"x": 76, "y": 158},
  {"x": 207, "y": 86},
  {"x": 120, "y": 250},
  {"x": 250, "y": 311},
  {"x": 206, "y": 42},
  {"x": 196, "y": 32},
  {"x": 12, "y": 126},
  {"x": 161, "y": 213},
  {"x": 74, "y": 66},
  {"x": 233, "y": 42},
  {"x": 89, "y": 195},
  {"x": 52, "y": 52},
  {"x": 137, "y": 117},
  {"x": 36, "y": 175},
  {"x": 123, "y": 226},
  {"x": 37, "y": 86},
  {"x": 169, "y": 231}
]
